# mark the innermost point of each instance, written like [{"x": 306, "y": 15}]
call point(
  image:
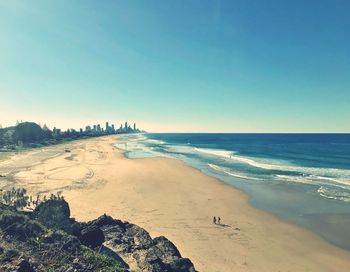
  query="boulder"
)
[
  {"x": 141, "y": 238},
  {"x": 168, "y": 249},
  {"x": 106, "y": 220},
  {"x": 182, "y": 265},
  {"x": 92, "y": 236},
  {"x": 149, "y": 261},
  {"x": 135, "y": 245}
]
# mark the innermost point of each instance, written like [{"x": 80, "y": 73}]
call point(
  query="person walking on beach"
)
[
  {"x": 219, "y": 219},
  {"x": 214, "y": 220}
]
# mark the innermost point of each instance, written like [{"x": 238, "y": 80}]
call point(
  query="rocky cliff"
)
[{"x": 47, "y": 239}]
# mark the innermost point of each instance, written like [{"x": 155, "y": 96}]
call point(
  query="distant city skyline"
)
[
  {"x": 104, "y": 127},
  {"x": 177, "y": 66}
]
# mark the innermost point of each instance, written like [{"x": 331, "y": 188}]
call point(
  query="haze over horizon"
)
[{"x": 177, "y": 66}]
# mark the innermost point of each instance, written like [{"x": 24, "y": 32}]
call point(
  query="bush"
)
[
  {"x": 100, "y": 262},
  {"x": 29, "y": 132},
  {"x": 54, "y": 213},
  {"x": 19, "y": 225}
]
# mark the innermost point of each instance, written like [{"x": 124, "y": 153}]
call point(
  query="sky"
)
[{"x": 177, "y": 65}]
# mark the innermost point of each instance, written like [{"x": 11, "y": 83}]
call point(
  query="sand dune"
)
[{"x": 169, "y": 198}]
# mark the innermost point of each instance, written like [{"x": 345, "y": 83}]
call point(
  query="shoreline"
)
[
  {"x": 168, "y": 197},
  {"x": 248, "y": 198}
]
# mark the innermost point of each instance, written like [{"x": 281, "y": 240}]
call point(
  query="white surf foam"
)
[
  {"x": 334, "y": 194},
  {"x": 216, "y": 152},
  {"x": 230, "y": 172},
  {"x": 152, "y": 141},
  {"x": 307, "y": 175},
  {"x": 339, "y": 176}
]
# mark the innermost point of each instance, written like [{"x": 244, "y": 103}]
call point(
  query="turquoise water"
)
[{"x": 304, "y": 178}]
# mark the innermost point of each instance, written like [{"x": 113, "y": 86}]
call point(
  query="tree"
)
[
  {"x": 45, "y": 128},
  {"x": 8, "y": 137},
  {"x": 28, "y": 132}
]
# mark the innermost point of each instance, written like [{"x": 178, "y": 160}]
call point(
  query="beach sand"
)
[{"x": 167, "y": 197}]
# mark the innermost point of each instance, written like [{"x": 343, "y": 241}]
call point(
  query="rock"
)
[
  {"x": 92, "y": 236},
  {"x": 167, "y": 248},
  {"x": 112, "y": 254},
  {"x": 141, "y": 238},
  {"x": 162, "y": 256},
  {"x": 149, "y": 261},
  {"x": 106, "y": 220},
  {"x": 182, "y": 265},
  {"x": 24, "y": 266},
  {"x": 135, "y": 245}
]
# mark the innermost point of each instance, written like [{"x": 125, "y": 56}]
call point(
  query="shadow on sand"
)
[
  {"x": 224, "y": 225},
  {"x": 227, "y": 226}
]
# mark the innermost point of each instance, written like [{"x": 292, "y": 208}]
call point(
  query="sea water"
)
[{"x": 303, "y": 178}]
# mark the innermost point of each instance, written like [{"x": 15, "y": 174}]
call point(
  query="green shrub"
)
[
  {"x": 18, "y": 225},
  {"x": 51, "y": 236},
  {"x": 53, "y": 213},
  {"x": 100, "y": 262}
]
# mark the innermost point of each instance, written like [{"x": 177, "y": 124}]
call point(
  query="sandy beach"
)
[{"x": 167, "y": 197}]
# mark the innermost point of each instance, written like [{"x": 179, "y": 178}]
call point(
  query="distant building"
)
[{"x": 56, "y": 132}]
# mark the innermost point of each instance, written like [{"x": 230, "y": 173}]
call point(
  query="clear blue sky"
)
[{"x": 180, "y": 65}]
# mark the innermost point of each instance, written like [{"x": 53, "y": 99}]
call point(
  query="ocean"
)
[{"x": 302, "y": 178}]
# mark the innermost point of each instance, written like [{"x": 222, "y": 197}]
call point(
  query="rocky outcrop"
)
[
  {"x": 48, "y": 239},
  {"x": 136, "y": 247}
]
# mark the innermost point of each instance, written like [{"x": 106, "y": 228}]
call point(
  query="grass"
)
[{"x": 100, "y": 262}]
